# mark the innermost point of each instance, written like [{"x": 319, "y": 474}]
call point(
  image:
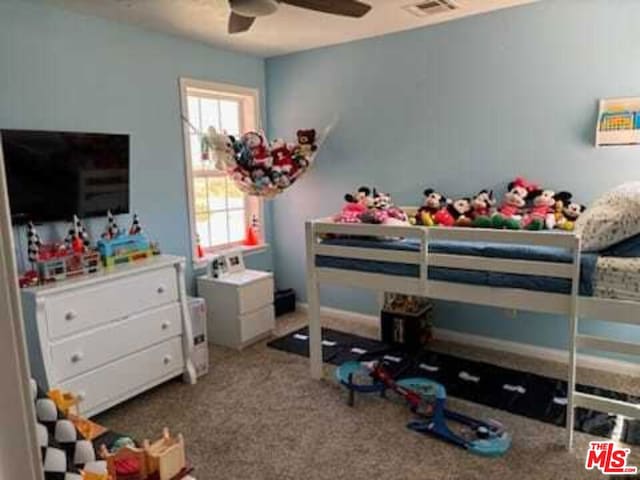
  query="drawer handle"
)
[
  {"x": 76, "y": 357},
  {"x": 160, "y": 289},
  {"x": 70, "y": 315},
  {"x": 166, "y": 324},
  {"x": 167, "y": 359}
]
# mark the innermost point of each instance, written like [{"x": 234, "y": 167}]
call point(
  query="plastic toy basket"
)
[{"x": 68, "y": 266}]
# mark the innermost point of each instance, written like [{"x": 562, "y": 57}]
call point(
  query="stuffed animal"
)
[
  {"x": 541, "y": 214},
  {"x": 223, "y": 147},
  {"x": 282, "y": 157},
  {"x": 456, "y": 213},
  {"x": 482, "y": 204},
  {"x": 306, "y": 142},
  {"x": 356, "y": 204},
  {"x": 571, "y": 211},
  {"x": 257, "y": 145},
  {"x": 382, "y": 211},
  {"x": 433, "y": 203},
  {"x": 361, "y": 197},
  {"x": 510, "y": 211}
]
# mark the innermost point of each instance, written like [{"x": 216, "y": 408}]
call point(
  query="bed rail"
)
[
  {"x": 422, "y": 259},
  {"x": 617, "y": 311}
]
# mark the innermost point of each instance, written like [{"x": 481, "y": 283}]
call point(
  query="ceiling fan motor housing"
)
[{"x": 253, "y": 8}]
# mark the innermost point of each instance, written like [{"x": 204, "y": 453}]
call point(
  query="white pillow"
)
[{"x": 612, "y": 218}]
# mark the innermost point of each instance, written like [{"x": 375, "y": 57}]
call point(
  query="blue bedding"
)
[{"x": 474, "y": 277}]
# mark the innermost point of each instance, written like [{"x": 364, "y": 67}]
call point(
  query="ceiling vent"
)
[{"x": 427, "y": 8}]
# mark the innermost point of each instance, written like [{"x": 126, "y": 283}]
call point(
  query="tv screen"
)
[{"x": 53, "y": 175}]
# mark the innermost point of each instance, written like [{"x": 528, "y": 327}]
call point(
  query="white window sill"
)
[{"x": 201, "y": 263}]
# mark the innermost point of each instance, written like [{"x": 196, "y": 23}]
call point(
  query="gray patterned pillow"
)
[{"x": 614, "y": 217}]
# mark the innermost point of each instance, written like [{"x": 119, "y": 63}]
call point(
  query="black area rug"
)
[{"x": 527, "y": 394}]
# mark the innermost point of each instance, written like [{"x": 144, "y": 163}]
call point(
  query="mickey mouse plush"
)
[
  {"x": 433, "y": 203},
  {"x": 569, "y": 213},
  {"x": 456, "y": 213},
  {"x": 482, "y": 204},
  {"x": 541, "y": 216}
]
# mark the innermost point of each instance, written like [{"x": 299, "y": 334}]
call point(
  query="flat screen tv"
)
[{"x": 53, "y": 175}]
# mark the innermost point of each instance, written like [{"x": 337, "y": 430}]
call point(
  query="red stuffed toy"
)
[
  {"x": 433, "y": 203},
  {"x": 510, "y": 212},
  {"x": 455, "y": 213}
]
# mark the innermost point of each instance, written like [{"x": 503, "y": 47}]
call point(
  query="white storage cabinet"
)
[
  {"x": 109, "y": 336},
  {"x": 239, "y": 307}
]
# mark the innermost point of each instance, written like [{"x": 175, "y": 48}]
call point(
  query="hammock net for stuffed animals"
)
[{"x": 256, "y": 166}]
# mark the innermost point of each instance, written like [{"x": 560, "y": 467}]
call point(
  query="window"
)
[{"x": 219, "y": 211}]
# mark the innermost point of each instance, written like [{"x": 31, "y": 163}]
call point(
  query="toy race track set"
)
[{"x": 426, "y": 399}]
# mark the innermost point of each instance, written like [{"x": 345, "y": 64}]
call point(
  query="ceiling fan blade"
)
[
  {"x": 239, "y": 23},
  {"x": 347, "y": 8}
]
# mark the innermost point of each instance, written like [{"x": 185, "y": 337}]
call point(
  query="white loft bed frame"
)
[{"x": 572, "y": 305}]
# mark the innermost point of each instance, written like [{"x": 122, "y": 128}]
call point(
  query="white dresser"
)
[
  {"x": 239, "y": 307},
  {"x": 111, "y": 335}
]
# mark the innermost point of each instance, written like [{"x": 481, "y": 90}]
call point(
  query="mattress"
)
[
  {"x": 472, "y": 277},
  {"x": 617, "y": 278}
]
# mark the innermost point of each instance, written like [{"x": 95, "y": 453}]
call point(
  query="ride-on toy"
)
[{"x": 426, "y": 399}]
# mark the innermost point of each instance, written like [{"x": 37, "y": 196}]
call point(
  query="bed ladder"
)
[{"x": 626, "y": 314}]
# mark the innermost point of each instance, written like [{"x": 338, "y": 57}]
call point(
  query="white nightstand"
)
[{"x": 239, "y": 307}]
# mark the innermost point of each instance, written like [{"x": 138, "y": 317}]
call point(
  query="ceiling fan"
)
[{"x": 244, "y": 12}]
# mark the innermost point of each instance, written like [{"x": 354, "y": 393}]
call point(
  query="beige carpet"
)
[{"x": 258, "y": 415}]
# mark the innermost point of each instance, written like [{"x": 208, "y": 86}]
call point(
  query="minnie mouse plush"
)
[
  {"x": 510, "y": 211},
  {"x": 541, "y": 216},
  {"x": 433, "y": 203},
  {"x": 357, "y": 205}
]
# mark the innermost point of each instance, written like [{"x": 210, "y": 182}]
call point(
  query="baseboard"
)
[{"x": 533, "y": 351}]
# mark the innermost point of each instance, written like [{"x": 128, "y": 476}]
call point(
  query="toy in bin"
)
[
  {"x": 163, "y": 459},
  {"x": 117, "y": 247},
  {"x": 60, "y": 261},
  {"x": 426, "y": 399}
]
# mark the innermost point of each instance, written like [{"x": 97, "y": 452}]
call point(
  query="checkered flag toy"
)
[
  {"x": 77, "y": 238},
  {"x": 34, "y": 243},
  {"x": 136, "y": 228},
  {"x": 112, "y": 227},
  {"x": 81, "y": 233}
]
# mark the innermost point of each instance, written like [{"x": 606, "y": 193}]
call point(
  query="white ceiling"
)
[{"x": 289, "y": 29}]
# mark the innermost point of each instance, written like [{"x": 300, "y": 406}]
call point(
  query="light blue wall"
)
[
  {"x": 459, "y": 106},
  {"x": 63, "y": 71}
]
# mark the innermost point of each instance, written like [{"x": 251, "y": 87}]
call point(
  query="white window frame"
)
[{"x": 249, "y": 120}]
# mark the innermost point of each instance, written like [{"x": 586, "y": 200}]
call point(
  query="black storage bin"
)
[
  {"x": 284, "y": 301},
  {"x": 411, "y": 331}
]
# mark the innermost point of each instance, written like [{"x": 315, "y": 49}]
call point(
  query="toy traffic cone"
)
[
  {"x": 34, "y": 244},
  {"x": 136, "y": 228},
  {"x": 199, "y": 249},
  {"x": 251, "y": 238}
]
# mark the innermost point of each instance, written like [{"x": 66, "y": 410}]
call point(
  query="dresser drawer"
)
[
  {"x": 126, "y": 377},
  {"x": 255, "y": 295},
  {"x": 99, "y": 303},
  {"x": 257, "y": 323},
  {"x": 89, "y": 350}
]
